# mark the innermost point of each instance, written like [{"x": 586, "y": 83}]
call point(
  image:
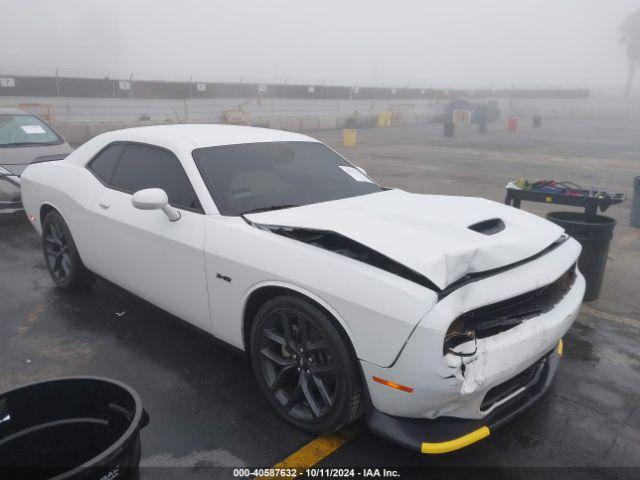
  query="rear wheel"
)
[
  {"x": 304, "y": 366},
  {"x": 61, "y": 256}
]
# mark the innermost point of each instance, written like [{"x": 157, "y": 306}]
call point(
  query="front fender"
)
[{"x": 377, "y": 309}]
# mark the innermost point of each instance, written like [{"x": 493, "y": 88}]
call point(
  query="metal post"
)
[{"x": 57, "y": 84}]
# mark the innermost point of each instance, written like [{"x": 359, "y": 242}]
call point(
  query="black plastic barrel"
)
[
  {"x": 635, "y": 203},
  {"x": 594, "y": 233},
  {"x": 350, "y": 122},
  {"x": 449, "y": 128},
  {"x": 76, "y": 427}
]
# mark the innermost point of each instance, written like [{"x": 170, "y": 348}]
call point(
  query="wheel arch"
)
[
  {"x": 262, "y": 293},
  {"x": 48, "y": 207}
]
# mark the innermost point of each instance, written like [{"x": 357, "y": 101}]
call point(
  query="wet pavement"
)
[{"x": 205, "y": 407}]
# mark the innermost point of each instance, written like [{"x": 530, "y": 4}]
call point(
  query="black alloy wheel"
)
[
  {"x": 61, "y": 255},
  {"x": 56, "y": 252},
  {"x": 304, "y": 366},
  {"x": 298, "y": 365}
]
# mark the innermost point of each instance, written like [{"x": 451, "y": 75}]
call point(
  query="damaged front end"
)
[
  {"x": 464, "y": 339},
  {"x": 482, "y": 355}
]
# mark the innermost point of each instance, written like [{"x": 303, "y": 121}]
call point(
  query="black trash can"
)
[
  {"x": 350, "y": 122},
  {"x": 76, "y": 427},
  {"x": 482, "y": 128},
  {"x": 449, "y": 127},
  {"x": 594, "y": 233},
  {"x": 537, "y": 122}
]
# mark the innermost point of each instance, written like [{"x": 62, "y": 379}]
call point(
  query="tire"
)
[
  {"x": 319, "y": 388},
  {"x": 61, "y": 255}
]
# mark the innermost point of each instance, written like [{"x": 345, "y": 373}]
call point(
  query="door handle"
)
[{"x": 105, "y": 204}]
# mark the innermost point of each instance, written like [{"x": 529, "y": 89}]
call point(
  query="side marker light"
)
[{"x": 389, "y": 384}]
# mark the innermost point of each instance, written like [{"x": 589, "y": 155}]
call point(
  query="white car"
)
[{"x": 438, "y": 317}]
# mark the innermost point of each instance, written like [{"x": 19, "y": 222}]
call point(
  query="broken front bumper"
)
[
  {"x": 446, "y": 434},
  {"x": 424, "y": 387}
]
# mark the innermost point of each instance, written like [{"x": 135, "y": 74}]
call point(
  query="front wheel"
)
[
  {"x": 61, "y": 256},
  {"x": 304, "y": 366}
]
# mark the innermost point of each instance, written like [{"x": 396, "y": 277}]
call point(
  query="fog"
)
[{"x": 418, "y": 43}]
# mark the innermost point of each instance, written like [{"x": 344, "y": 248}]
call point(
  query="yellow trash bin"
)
[
  {"x": 390, "y": 117},
  {"x": 349, "y": 137},
  {"x": 382, "y": 119}
]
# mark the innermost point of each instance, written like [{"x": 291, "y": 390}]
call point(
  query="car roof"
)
[
  {"x": 14, "y": 111},
  {"x": 205, "y": 135}
]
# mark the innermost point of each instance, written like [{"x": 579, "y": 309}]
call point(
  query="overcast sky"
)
[{"x": 438, "y": 43}]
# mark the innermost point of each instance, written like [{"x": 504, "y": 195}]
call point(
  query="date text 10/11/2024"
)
[{"x": 290, "y": 473}]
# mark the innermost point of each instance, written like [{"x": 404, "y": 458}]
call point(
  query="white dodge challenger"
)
[{"x": 439, "y": 318}]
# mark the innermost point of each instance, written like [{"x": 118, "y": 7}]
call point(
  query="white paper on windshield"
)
[
  {"x": 356, "y": 174},
  {"x": 31, "y": 129}
]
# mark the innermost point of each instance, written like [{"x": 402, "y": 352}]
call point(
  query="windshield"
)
[
  {"x": 264, "y": 176},
  {"x": 21, "y": 130}
]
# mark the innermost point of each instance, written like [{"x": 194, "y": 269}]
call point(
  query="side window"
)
[
  {"x": 105, "y": 163},
  {"x": 141, "y": 166}
]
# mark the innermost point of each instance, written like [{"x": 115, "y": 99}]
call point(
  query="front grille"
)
[
  {"x": 523, "y": 379},
  {"x": 501, "y": 316}
]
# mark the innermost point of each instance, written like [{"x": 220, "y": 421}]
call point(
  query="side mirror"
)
[
  {"x": 154, "y": 199},
  {"x": 364, "y": 172}
]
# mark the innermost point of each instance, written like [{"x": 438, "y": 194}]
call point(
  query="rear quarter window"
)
[
  {"x": 141, "y": 166},
  {"x": 104, "y": 164}
]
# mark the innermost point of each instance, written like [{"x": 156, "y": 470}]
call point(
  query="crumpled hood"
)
[{"x": 426, "y": 233}]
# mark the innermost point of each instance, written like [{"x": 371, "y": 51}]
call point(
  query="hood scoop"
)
[{"x": 488, "y": 227}]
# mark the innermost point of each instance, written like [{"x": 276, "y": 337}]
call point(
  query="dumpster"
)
[
  {"x": 635, "y": 203},
  {"x": 75, "y": 427},
  {"x": 594, "y": 233}
]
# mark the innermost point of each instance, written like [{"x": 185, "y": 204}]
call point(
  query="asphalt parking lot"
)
[{"x": 206, "y": 409}]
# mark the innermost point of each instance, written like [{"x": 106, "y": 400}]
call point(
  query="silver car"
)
[{"x": 24, "y": 139}]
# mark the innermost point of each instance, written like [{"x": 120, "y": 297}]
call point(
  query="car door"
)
[{"x": 141, "y": 250}]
